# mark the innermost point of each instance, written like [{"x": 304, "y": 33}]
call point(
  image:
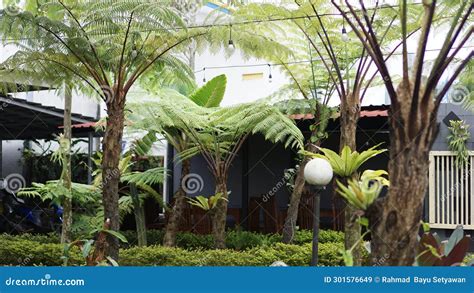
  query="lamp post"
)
[{"x": 317, "y": 172}]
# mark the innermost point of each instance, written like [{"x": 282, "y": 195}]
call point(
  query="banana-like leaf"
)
[
  {"x": 212, "y": 93},
  {"x": 143, "y": 146},
  {"x": 116, "y": 234}
]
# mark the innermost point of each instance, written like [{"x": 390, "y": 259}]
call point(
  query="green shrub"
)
[
  {"x": 235, "y": 239},
  {"x": 40, "y": 238},
  {"x": 156, "y": 255},
  {"x": 469, "y": 259},
  {"x": 293, "y": 255},
  {"x": 194, "y": 241},
  {"x": 21, "y": 252},
  {"x": 241, "y": 240},
  {"x": 154, "y": 237},
  {"x": 244, "y": 249},
  {"x": 306, "y": 236},
  {"x": 183, "y": 239}
]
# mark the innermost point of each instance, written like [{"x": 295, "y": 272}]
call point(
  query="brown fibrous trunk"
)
[
  {"x": 67, "y": 173},
  {"x": 395, "y": 219},
  {"x": 177, "y": 210},
  {"x": 349, "y": 117},
  {"x": 292, "y": 214},
  {"x": 219, "y": 216},
  {"x": 112, "y": 147}
]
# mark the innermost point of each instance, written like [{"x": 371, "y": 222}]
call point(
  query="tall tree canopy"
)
[{"x": 105, "y": 47}]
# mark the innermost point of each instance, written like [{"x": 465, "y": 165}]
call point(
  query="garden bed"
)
[{"x": 244, "y": 249}]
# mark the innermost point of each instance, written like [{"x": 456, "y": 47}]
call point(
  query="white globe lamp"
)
[{"x": 318, "y": 172}]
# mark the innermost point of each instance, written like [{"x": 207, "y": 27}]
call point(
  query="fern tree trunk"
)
[
  {"x": 112, "y": 147},
  {"x": 349, "y": 116},
  {"x": 67, "y": 176},
  {"x": 177, "y": 211},
  {"x": 292, "y": 214},
  {"x": 139, "y": 212},
  {"x": 395, "y": 219},
  {"x": 220, "y": 213}
]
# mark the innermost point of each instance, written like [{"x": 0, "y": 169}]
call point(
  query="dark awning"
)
[{"x": 21, "y": 119}]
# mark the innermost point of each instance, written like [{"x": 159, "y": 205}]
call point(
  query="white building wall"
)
[{"x": 240, "y": 90}]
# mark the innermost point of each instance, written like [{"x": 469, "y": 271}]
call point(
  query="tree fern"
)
[
  {"x": 104, "y": 47},
  {"x": 148, "y": 177}
]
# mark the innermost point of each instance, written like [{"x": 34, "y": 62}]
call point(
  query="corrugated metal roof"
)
[
  {"x": 21, "y": 119},
  {"x": 366, "y": 111}
]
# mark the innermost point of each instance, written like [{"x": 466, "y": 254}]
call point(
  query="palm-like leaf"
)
[
  {"x": 207, "y": 204},
  {"x": 212, "y": 93},
  {"x": 148, "y": 177},
  {"x": 362, "y": 193},
  {"x": 55, "y": 192},
  {"x": 347, "y": 163},
  {"x": 216, "y": 129}
]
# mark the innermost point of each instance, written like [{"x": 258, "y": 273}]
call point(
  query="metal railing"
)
[{"x": 451, "y": 191}]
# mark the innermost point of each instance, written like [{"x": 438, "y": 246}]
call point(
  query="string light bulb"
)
[
  {"x": 204, "y": 72},
  {"x": 270, "y": 77},
  {"x": 134, "y": 53},
  {"x": 345, "y": 37}
]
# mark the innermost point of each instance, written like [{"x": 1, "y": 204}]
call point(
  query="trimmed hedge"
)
[
  {"x": 40, "y": 238},
  {"x": 293, "y": 255},
  {"x": 244, "y": 249},
  {"x": 23, "y": 252},
  {"x": 237, "y": 240}
]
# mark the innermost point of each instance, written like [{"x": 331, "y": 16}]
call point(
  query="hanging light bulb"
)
[
  {"x": 134, "y": 52},
  {"x": 345, "y": 37},
  {"x": 270, "y": 77},
  {"x": 204, "y": 78},
  {"x": 231, "y": 42}
]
